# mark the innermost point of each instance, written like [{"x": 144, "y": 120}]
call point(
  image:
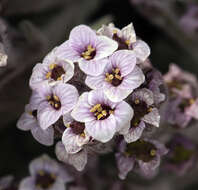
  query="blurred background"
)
[{"x": 31, "y": 28}]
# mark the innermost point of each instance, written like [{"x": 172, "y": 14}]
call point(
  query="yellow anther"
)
[
  {"x": 104, "y": 112},
  {"x": 51, "y": 103},
  {"x": 48, "y": 97},
  {"x": 48, "y": 75},
  {"x": 150, "y": 109},
  {"x": 127, "y": 42},
  {"x": 52, "y": 66},
  {"x": 191, "y": 101},
  {"x": 99, "y": 109},
  {"x": 116, "y": 71},
  {"x": 59, "y": 78},
  {"x": 41, "y": 173},
  {"x": 90, "y": 48},
  {"x": 56, "y": 105},
  {"x": 136, "y": 124},
  {"x": 30, "y": 112},
  {"x": 111, "y": 77},
  {"x": 115, "y": 31},
  {"x": 82, "y": 134},
  {"x": 137, "y": 101},
  {"x": 67, "y": 125},
  {"x": 87, "y": 57},
  {"x": 118, "y": 77},
  {"x": 99, "y": 116},
  {"x": 94, "y": 109},
  {"x": 56, "y": 98},
  {"x": 153, "y": 152},
  {"x": 111, "y": 111}
]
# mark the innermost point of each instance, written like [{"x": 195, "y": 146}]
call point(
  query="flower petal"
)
[
  {"x": 102, "y": 130},
  {"x": 128, "y": 33},
  {"x": 81, "y": 111},
  {"x": 27, "y": 183},
  {"x": 125, "y": 60},
  {"x": 45, "y": 137},
  {"x": 93, "y": 67},
  {"x": 105, "y": 47},
  {"x": 152, "y": 118},
  {"x": 134, "y": 133},
  {"x": 96, "y": 82}
]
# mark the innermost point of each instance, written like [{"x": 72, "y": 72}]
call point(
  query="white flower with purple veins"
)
[
  {"x": 120, "y": 77},
  {"x": 78, "y": 160},
  {"x": 146, "y": 153},
  {"x": 53, "y": 102},
  {"x": 75, "y": 135},
  {"x": 28, "y": 121},
  {"x": 126, "y": 39},
  {"x": 145, "y": 113},
  {"x": 88, "y": 49},
  {"x": 102, "y": 117},
  {"x": 53, "y": 70},
  {"x": 46, "y": 174}
]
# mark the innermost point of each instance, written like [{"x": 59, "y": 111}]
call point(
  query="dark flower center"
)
[
  {"x": 34, "y": 113},
  {"x": 140, "y": 110},
  {"x": 77, "y": 127},
  {"x": 56, "y": 72},
  {"x": 45, "y": 179},
  {"x": 114, "y": 77},
  {"x": 122, "y": 44},
  {"x": 186, "y": 103},
  {"x": 89, "y": 53},
  {"x": 142, "y": 150},
  {"x": 54, "y": 101},
  {"x": 101, "y": 111},
  {"x": 180, "y": 154}
]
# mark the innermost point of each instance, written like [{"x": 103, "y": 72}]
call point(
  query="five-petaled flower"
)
[
  {"x": 120, "y": 77},
  {"x": 102, "y": 117},
  {"x": 88, "y": 49}
]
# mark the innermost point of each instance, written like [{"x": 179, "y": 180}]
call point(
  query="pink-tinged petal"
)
[
  {"x": 80, "y": 37},
  {"x": 69, "y": 140},
  {"x": 50, "y": 57},
  {"x": 133, "y": 80},
  {"x": 68, "y": 96},
  {"x": 35, "y": 100},
  {"x": 134, "y": 133},
  {"x": 102, "y": 130},
  {"x": 161, "y": 148},
  {"x": 93, "y": 67},
  {"x": 68, "y": 66},
  {"x": 38, "y": 76},
  {"x": 152, "y": 118},
  {"x": 65, "y": 52},
  {"x": 125, "y": 129},
  {"x": 107, "y": 30},
  {"x": 105, "y": 47},
  {"x": 123, "y": 114},
  {"x": 141, "y": 50},
  {"x": 67, "y": 119},
  {"x": 26, "y": 122},
  {"x": 81, "y": 111},
  {"x": 128, "y": 33},
  {"x": 27, "y": 183},
  {"x": 117, "y": 94},
  {"x": 193, "y": 110},
  {"x": 59, "y": 184},
  {"x": 98, "y": 97},
  {"x": 96, "y": 82},
  {"x": 125, "y": 165},
  {"x": 147, "y": 168},
  {"x": 144, "y": 95},
  {"x": 47, "y": 115},
  {"x": 78, "y": 160},
  {"x": 45, "y": 137},
  {"x": 125, "y": 60}
]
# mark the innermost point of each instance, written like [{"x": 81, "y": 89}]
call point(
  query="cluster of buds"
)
[{"x": 97, "y": 92}]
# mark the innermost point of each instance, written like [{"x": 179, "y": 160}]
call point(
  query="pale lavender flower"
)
[
  {"x": 180, "y": 82},
  {"x": 120, "y": 77},
  {"x": 182, "y": 155},
  {"x": 126, "y": 39},
  {"x": 145, "y": 114},
  {"x": 75, "y": 135},
  {"x": 8, "y": 183},
  {"x": 28, "y": 121},
  {"x": 102, "y": 117},
  {"x": 78, "y": 160},
  {"x": 53, "y": 102},
  {"x": 3, "y": 56},
  {"x": 146, "y": 153},
  {"x": 46, "y": 174},
  {"x": 88, "y": 49},
  {"x": 53, "y": 70}
]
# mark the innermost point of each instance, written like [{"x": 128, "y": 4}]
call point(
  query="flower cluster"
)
[{"x": 95, "y": 88}]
